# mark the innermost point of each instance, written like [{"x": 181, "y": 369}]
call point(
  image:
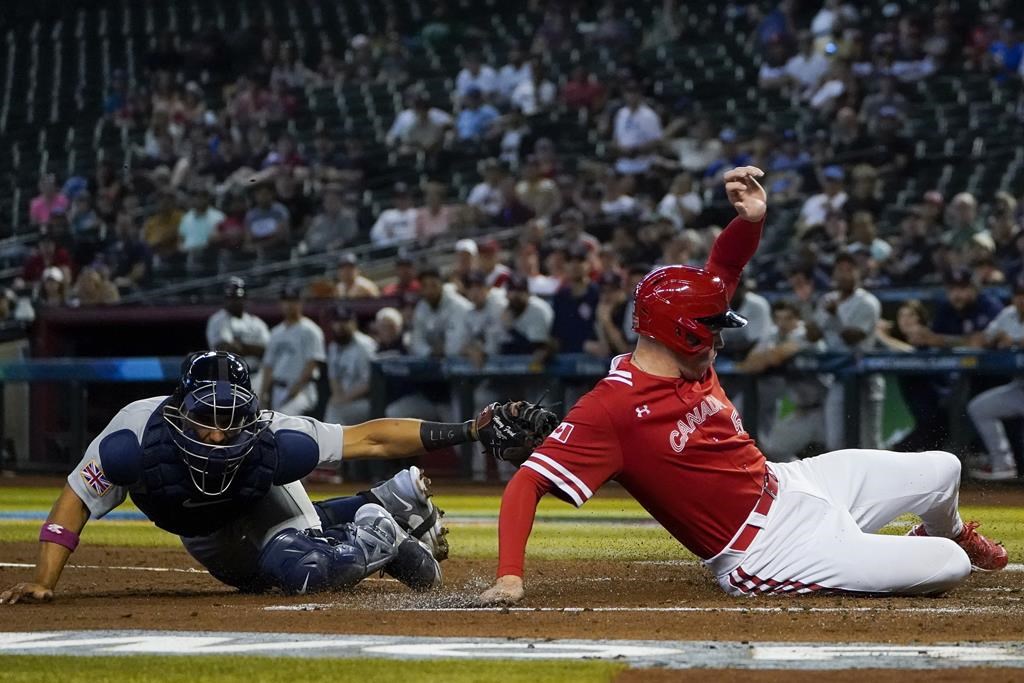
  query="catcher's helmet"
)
[
  {"x": 214, "y": 397},
  {"x": 682, "y": 307}
]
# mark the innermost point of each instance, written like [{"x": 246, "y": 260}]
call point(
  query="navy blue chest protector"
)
[{"x": 166, "y": 495}]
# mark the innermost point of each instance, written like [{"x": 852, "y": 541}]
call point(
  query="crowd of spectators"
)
[{"x": 222, "y": 181}]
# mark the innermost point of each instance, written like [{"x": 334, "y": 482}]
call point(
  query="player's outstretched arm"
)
[
  {"x": 735, "y": 246},
  {"x": 515, "y": 522},
  {"x": 58, "y": 538}
]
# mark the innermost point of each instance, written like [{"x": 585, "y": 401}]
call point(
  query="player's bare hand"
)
[
  {"x": 27, "y": 592},
  {"x": 745, "y": 193},
  {"x": 507, "y": 590}
]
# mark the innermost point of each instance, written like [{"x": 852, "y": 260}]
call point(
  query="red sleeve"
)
[
  {"x": 733, "y": 249},
  {"x": 582, "y": 453},
  {"x": 515, "y": 522}
]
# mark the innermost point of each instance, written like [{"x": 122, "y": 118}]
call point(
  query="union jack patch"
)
[{"x": 95, "y": 479}]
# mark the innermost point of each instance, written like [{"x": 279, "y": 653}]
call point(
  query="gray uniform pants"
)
[
  {"x": 872, "y": 401},
  {"x": 988, "y": 410},
  {"x": 230, "y": 554}
]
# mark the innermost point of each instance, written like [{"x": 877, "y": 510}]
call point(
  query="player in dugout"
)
[{"x": 661, "y": 425}]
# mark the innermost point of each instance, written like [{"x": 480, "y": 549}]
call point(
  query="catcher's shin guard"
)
[{"x": 298, "y": 562}]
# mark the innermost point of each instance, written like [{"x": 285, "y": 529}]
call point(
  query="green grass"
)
[
  {"x": 555, "y": 536},
  {"x": 29, "y": 669}
]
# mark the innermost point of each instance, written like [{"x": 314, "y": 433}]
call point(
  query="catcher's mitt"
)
[{"x": 510, "y": 431}]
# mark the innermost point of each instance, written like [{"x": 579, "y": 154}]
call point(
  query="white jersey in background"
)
[
  {"x": 224, "y": 328},
  {"x": 289, "y": 349}
]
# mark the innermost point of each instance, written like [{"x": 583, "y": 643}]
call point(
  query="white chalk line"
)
[
  {"x": 317, "y": 606},
  {"x": 181, "y": 570}
]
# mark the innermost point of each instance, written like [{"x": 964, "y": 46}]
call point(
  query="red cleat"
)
[{"x": 985, "y": 555}]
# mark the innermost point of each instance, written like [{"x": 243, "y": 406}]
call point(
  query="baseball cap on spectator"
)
[
  {"x": 834, "y": 173},
  {"x": 490, "y": 246},
  {"x": 959, "y": 277},
  {"x": 389, "y": 314},
  {"x": 347, "y": 259},
  {"x": 291, "y": 291},
  {"x": 360, "y": 41},
  {"x": 517, "y": 282},
  {"x": 53, "y": 273},
  {"x": 234, "y": 288},
  {"x": 728, "y": 135},
  {"x": 466, "y": 245}
]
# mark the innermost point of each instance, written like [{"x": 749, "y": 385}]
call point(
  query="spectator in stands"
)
[
  {"x": 291, "y": 361},
  {"x": 197, "y": 226},
  {"x": 864, "y": 238},
  {"x": 489, "y": 263},
  {"x": 758, "y": 312},
  {"x": 84, "y": 222},
  {"x": 637, "y": 132},
  {"x": 161, "y": 229},
  {"x": 46, "y": 201},
  {"x": 349, "y": 356},
  {"x": 772, "y": 73},
  {"x": 474, "y": 122},
  {"x": 807, "y": 67},
  {"x": 575, "y": 303},
  {"x": 477, "y": 335},
  {"x": 335, "y": 225},
  {"x": 1006, "y": 51},
  {"x": 536, "y": 94},
  {"x": 575, "y": 232},
  {"x": 267, "y": 223},
  {"x": 582, "y": 90},
  {"x": 397, "y": 224},
  {"x": 129, "y": 256},
  {"x": 435, "y": 218},
  {"x": 834, "y": 89},
  {"x": 887, "y": 96},
  {"x": 537, "y": 193},
  {"x": 47, "y": 253},
  {"x": 832, "y": 198},
  {"x": 922, "y": 394},
  {"x": 607, "y": 339},
  {"x": 526, "y": 324},
  {"x": 1005, "y": 231},
  {"x": 961, "y": 318},
  {"x": 777, "y": 26},
  {"x": 863, "y": 194},
  {"x": 52, "y": 289},
  {"x": 783, "y": 440},
  {"x": 351, "y": 284},
  {"x": 989, "y": 408},
  {"x": 405, "y": 278},
  {"x": 425, "y": 130},
  {"x": 849, "y": 143},
  {"x": 475, "y": 76},
  {"x": 682, "y": 205},
  {"x": 695, "y": 150},
  {"x": 466, "y": 252},
  {"x": 485, "y": 197},
  {"x": 387, "y": 332},
  {"x": 893, "y": 149},
  {"x": 94, "y": 287},
  {"x": 731, "y": 155},
  {"x": 528, "y": 265},
  {"x": 962, "y": 221},
  {"x": 512, "y": 74},
  {"x": 847, "y": 319},
  {"x": 234, "y": 329}
]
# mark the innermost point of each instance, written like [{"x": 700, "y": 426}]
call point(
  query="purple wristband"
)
[{"x": 51, "y": 532}]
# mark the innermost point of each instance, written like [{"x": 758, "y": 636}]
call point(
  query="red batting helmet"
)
[{"x": 683, "y": 307}]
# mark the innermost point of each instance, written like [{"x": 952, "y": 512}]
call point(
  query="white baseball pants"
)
[{"x": 819, "y": 534}]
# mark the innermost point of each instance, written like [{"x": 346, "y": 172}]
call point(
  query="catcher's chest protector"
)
[{"x": 166, "y": 495}]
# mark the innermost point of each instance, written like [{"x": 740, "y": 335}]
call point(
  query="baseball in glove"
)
[{"x": 510, "y": 431}]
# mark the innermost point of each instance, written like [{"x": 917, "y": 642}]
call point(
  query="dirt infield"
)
[{"x": 624, "y": 600}]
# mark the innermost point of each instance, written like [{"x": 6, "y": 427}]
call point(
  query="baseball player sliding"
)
[
  {"x": 661, "y": 426},
  {"x": 208, "y": 465}
]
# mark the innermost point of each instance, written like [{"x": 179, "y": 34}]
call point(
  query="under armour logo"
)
[
  {"x": 55, "y": 528},
  {"x": 642, "y": 411}
]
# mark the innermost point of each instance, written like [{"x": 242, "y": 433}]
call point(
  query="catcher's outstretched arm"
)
[
  {"x": 401, "y": 437},
  {"x": 69, "y": 514}
]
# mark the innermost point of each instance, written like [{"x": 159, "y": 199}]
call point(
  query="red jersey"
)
[{"x": 677, "y": 446}]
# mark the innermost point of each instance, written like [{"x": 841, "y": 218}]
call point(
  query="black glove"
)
[{"x": 510, "y": 431}]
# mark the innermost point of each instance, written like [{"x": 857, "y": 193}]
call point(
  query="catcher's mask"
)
[{"x": 215, "y": 418}]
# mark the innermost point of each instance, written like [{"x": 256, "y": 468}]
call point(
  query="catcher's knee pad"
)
[
  {"x": 415, "y": 566},
  {"x": 297, "y": 562}
]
